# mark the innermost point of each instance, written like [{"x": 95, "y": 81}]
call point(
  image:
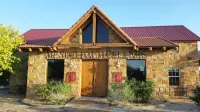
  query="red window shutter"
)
[
  {"x": 117, "y": 76},
  {"x": 71, "y": 76}
]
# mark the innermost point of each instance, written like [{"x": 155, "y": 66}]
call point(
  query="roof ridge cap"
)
[
  {"x": 49, "y": 29},
  {"x": 149, "y": 26}
]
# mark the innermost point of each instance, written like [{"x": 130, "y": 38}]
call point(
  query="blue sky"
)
[{"x": 30, "y": 14}]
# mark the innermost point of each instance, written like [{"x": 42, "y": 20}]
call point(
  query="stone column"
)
[
  {"x": 76, "y": 66},
  {"x": 37, "y": 72},
  {"x": 113, "y": 68}
]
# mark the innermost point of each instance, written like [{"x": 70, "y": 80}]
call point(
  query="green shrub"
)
[
  {"x": 131, "y": 90},
  {"x": 144, "y": 90},
  {"x": 53, "y": 91},
  {"x": 115, "y": 93},
  {"x": 196, "y": 96}
]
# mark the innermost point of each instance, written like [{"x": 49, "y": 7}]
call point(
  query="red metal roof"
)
[
  {"x": 176, "y": 32},
  {"x": 153, "y": 42},
  {"x": 38, "y": 34},
  {"x": 46, "y": 37}
]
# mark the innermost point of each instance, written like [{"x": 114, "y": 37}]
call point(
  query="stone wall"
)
[
  {"x": 114, "y": 38},
  {"x": 157, "y": 64},
  {"x": 113, "y": 68}
]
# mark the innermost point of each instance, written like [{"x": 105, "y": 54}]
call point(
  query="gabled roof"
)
[
  {"x": 153, "y": 42},
  {"x": 47, "y": 37},
  {"x": 104, "y": 17}
]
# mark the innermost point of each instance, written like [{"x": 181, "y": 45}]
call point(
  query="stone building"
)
[{"x": 96, "y": 53}]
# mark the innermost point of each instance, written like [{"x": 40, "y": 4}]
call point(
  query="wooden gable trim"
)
[
  {"x": 96, "y": 11},
  {"x": 99, "y": 45},
  {"x": 113, "y": 26},
  {"x": 75, "y": 26}
]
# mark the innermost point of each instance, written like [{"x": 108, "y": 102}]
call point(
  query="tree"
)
[{"x": 10, "y": 39}]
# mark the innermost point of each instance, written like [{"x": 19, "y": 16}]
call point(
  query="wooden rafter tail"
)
[
  {"x": 150, "y": 48},
  {"x": 137, "y": 49},
  {"x": 177, "y": 48},
  {"x": 51, "y": 49},
  {"x": 30, "y": 50},
  {"x": 134, "y": 48},
  {"x": 19, "y": 49},
  {"x": 164, "y": 48},
  {"x": 40, "y": 49},
  {"x": 54, "y": 48}
]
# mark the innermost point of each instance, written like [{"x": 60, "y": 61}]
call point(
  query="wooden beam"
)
[
  {"x": 164, "y": 48},
  {"x": 40, "y": 49},
  {"x": 94, "y": 27},
  {"x": 75, "y": 26},
  {"x": 29, "y": 49},
  {"x": 80, "y": 35},
  {"x": 86, "y": 23},
  {"x": 97, "y": 45},
  {"x": 150, "y": 49},
  {"x": 19, "y": 49}
]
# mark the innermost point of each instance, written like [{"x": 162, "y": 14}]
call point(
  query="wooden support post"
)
[
  {"x": 29, "y": 49},
  {"x": 164, "y": 48},
  {"x": 94, "y": 20},
  {"x": 40, "y": 49},
  {"x": 150, "y": 49},
  {"x": 80, "y": 35},
  {"x": 19, "y": 49}
]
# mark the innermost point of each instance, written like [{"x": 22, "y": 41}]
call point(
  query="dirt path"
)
[{"x": 11, "y": 103}]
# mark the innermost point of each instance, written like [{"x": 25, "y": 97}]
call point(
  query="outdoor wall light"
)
[
  {"x": 118, "y": 64},
  {"x": 70, "y": 64}
]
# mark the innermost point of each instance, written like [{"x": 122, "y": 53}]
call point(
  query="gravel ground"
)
[{"x": 11, "y": 103}]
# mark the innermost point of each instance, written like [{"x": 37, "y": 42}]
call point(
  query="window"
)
[
  {"x": 136, "y": 69},
  {"x": 173, "y": 76},
  {"x": 87, "y": 34},
  {"x": 174, "y": 51},
  {"x": 102, "y": 32},
  {"x": 55, "y": 70}
]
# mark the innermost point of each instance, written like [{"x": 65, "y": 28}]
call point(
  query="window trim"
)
[{"x": 174, "y": 76}]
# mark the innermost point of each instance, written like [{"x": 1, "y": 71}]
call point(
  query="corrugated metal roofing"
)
[
  {"x": 176, "y": 32},
  {"x": 38, "y": 34},
  {"x": 153, "y": 42},
  {"x": 47, "y": 42}
]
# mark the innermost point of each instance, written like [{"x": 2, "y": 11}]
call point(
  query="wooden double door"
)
[{"x": 94, "y": 78}]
